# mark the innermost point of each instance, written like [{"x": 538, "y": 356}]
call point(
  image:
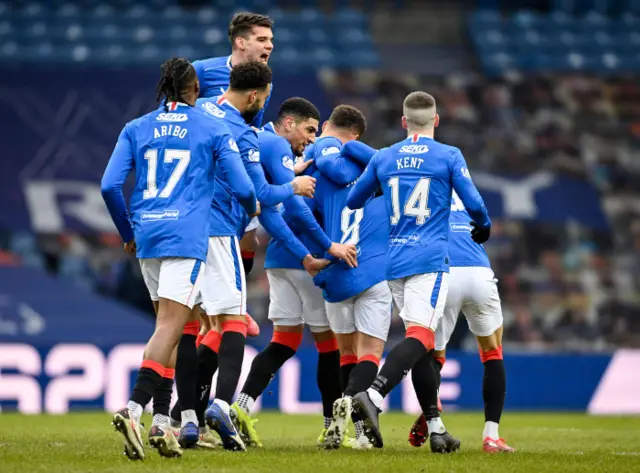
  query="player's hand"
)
[
  {"x": 347, "y": 253},
  {"x": 304, "y": 186},
  {"x": 301, "y": 166},
  {"x": 479, "y": 234},
  {"x": 130, "y": 247},
  {"x": 258, "y": 210},
  {"x": 314, "y": 265}
]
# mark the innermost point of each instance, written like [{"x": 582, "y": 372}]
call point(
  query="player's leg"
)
[
  {"x": 373, "y": 319},
  {"x": 248, "y": 246},
  {"x": 419, "y": 432},
  {"x": 228, "y": 304},
  {"x": 484, "y": 316},
  {"x": 328, "y": 373},
  {"x": 421, "y": 298},
  {"x": 186, "y": 377},
  {"x": 174, "y": 283},
  {"x": 285, "y": 312},
  {"x": 342, "y": 323}
]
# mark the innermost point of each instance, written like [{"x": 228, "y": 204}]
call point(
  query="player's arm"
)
[
  {"x": 267, "y": 194},
  {"x": 115, "y": 175},
  {"x": 365, "y": 186},
  {"x": 234, "y": 173},
  {"x": 338, "y": 168},
  {"x": 280, "y": 167},
  {"x": 272, "y": 221},
  {"x": 471, "y": 198},
  {"x": 358, "y": 151}
]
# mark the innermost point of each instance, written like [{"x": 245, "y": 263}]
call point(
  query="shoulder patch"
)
[
  {"x": 287, "y": 162},
  {"x": 330, "y": 150},
  {"x": 254, "y": 155},
  {"x": 233, "y": 145}
]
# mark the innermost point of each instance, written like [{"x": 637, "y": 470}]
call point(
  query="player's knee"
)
[
  {"x": 369, "y": 345},
  {"x": 422, "y": 334},
  {"x": 346, "y": 343},
  {"x": 324, "y": 338}
]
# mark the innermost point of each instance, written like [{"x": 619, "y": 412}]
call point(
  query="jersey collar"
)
[
  {"x": 416, "y": 137},
  {"x": 224, "y": 102},
  {"x": 171, "y": 106},
  {"x": 229, "y": 66},
  {"x": 271, "y": 127}
]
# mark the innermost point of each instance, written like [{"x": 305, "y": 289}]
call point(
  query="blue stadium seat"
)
[{"x": 485, "y": 19}]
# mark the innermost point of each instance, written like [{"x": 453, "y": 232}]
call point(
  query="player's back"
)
[
  {"x": 418, "y": 176},
  {"x": 366, "y": 228},
  {"x": 225, "y": 208},
  {"x": 175, "y": 166},
  {"x": 463, "y": 251},
  {"x": 213, "y": 75}
]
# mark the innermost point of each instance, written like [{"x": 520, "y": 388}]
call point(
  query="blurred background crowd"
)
[{"x": 563, "y": 286}]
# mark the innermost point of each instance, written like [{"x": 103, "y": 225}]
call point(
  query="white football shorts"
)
[
  {"x": 224, "y": 286},
  {"x": 176, "y": 279},
  {"x": 368, "y": 312},
  {"x": 420, "y": 298},
  {"x": 295, "y": 299},
  {"x": 472, "y": 290}
]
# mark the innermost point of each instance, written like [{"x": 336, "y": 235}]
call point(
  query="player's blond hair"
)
[{"x": 419, "y": 109}]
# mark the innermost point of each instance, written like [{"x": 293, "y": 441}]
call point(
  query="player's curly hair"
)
[
  {"x": 299, "y": 108},
  {"x": 177, "y": 74},
  {"x": 242, "y": 23},
  {"x": 349, "y": 118},
  {"x": 250, "y": 75}
]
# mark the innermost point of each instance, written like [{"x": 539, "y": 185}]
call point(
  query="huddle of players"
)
[{"x": 187, "y": 236}]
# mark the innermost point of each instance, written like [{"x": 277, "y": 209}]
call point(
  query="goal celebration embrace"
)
[{"x": 354, "y": 232}]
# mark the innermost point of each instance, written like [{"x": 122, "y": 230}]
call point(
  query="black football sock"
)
[
  {"x": 207, "y": 367},
  {"x": 230, "y": 358},
  {"x": 362, "y": 375},
  {"x": 347, "y": 363},
  {"x": 424, "y": 377},
  {"x": 265, "y": 366},
  {"x": 494, "y": 388}
]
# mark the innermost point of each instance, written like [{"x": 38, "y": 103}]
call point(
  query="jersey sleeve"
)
[
  {"x": 233, "y": 171},
  {"x": 266, "y": 193},
  {"x": 466, "y": 190},
  {"x": 338, "y": 168},
  {"x": 358, "y": 151},
  {"x": 365, "y": 186},
  {"x": 120, "y": 164},
  {"x": 272, "y": 221},
  {"x": 281, "y": 170}
]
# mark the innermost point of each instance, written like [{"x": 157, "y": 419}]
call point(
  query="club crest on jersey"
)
[
  {"x": 212, "y": 109},
  {"x": 233, "y": 145},
  {"x": 172, "y": 117},
  {"x": 414, "y": 149},
  {"x": 254, "y": 155},
  {"x": 287, "y": 162},
  {"x": 330, "y": 150}
]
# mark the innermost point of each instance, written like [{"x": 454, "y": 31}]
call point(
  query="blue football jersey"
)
[
  {"x": 174, "y": 153},
  {"x": 225, "y": 208},
  {"x": 278, "y": 253},
  {"x": 367, "y": 228},
  {"x": 417, "y": 176},
  {"x": 463, "y": 251},
  {"x": 213, "y": 75}
]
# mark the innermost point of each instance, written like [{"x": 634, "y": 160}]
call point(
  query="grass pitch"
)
[{"x": 86, "y": 442}]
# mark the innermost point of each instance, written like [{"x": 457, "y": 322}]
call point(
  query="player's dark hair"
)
[
  {"x": 298, "y": 108},
  {"x": 349, "y": 118},
  {"x": 242, "y": 23},
  {"x": 177, "y": 74},
  {"x": 250, "y": 75}
]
